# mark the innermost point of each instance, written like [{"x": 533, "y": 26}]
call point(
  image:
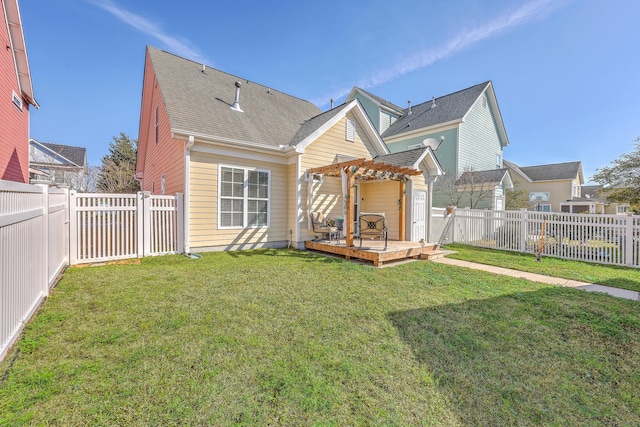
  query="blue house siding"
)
[
  {"x": 479, "y": 138},
  {"x": 446, "y": 152},
  {"x": 371, "y": 109}
]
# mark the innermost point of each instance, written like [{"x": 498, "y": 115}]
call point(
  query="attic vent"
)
[
  {"x": 236, "y": 102},
  {"x": 433, "y": 102},
  {"x": 16, "y": 99},
  {"x": 351, "y": 130},
  {"x": 409, "y": 112}
]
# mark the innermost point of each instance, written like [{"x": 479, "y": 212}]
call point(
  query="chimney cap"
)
[{"x": 238, "y": 84}]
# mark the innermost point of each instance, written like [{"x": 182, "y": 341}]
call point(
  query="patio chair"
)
[
  {"x": 373, "y": 225},
  {"x": 320, "y": 226}
]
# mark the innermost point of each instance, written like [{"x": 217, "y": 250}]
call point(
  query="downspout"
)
[{"x": 187, "y": 191}]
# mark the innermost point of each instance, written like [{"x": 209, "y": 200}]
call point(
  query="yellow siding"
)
[
  {"x": 559, "y": 191},
  {"x": 321, "y": 152},
  {"x": 383, "y": 197},
  {"x": 203, "y": 207}
]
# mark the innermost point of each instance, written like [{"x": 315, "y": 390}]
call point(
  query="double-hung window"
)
[{"x": 243, "y": 197}]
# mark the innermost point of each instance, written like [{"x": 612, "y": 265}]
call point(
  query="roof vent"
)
[
  {"x": 204, "y": 68},
  {"x": 409, "y": 102},
  {"x": 236, "y": 105},
  {"x": 433, "y": 102},
  {"x": 331, "y": 103}
]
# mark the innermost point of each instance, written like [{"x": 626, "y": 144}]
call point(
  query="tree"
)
[
  {"x": 516, "y": 198},
  {"x": 119, "y": 167},
  {"x": 622, "y": 178},
  {"x": 468, "y": 189}
]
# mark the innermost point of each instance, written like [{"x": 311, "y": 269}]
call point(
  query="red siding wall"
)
[
  {"x": 166, "y": 157},
  {"x": 14, "y": 123}
]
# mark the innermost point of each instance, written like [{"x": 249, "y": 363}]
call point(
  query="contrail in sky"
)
[
  {"x": 176, "y": 45},
  {"x": 520, "y": 16}
]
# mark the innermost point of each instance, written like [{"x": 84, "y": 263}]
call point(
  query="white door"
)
[{"x": 419, "y": 215}]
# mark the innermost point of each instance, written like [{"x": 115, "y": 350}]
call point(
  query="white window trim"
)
[
  {"x": 245, "y": 203},
  {"x": 16, "y": 99},
  {"x": 163, "y": 184},
  {"x": 540, "y": 207}
]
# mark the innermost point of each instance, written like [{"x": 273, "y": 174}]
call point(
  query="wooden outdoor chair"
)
[
  {"x": 373, "y": 225},
  {"x": 320, "y": 226}
]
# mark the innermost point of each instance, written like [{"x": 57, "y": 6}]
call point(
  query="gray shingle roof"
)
[
  {"x": 75, "y": 154},
  {"x": 591, "y": 191},
  {"x": 314, "y": 123},
  {"x": 492, "y": 176},
  {"x": 552, "y": 172},
  {"x": 200, "y": 102},
  {"x": 382, "y": 101},
  {"x": 403, "y": 158},
  {"x": 449, "y": 107}
]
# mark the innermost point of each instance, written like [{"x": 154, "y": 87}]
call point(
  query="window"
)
[
  {"x": 543, "y": 208},
  {"x": 351, "y": 130},
  {"x": 153, "y": 187},
  {"x": 498, "y": 161},
  {"x": 16, "y": 100},
  {"x": 386, "y": 120},
  {"x": 163, "y": 185},
  {"x": 243, "y": 197},
  {"x": 156, "y": 124}
]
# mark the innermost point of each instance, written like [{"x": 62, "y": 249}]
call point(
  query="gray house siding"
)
[{"x": 479, "y": 138}]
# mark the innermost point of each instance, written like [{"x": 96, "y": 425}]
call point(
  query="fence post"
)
[
  {"x": 44, "y": 248},
  {"x": 67, "y": 245},
  {"x": 523, "y": 230},
  {"x": 146, "y": 223},
  {"x": 628, "y": 247},
  {"x": 180, "y": 222},
  {"x": 139, "y": 225},
  {"x": 73, "y": 228}
]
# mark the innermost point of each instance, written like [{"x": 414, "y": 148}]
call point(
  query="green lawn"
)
[
  {"x": 609, "y": 275},
  {"x": 292, "y": 338}
]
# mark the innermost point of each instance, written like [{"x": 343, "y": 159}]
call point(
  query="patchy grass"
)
[
  {"x": 609, "y": 275},
  {"x": 293, "y": 338}
]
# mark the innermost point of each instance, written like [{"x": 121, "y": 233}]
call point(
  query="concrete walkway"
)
[{"x": 589, "y": 287}]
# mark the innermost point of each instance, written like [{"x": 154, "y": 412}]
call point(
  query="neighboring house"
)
[
  {"x": 464, "y": 129},
  {"x": 57, "y": 163},
  {"x": 593, "y": 199},
  {"x": 16, "y": 95},
  {"x": 548, "y": 186},
  {"x": 240, "y": 152}
]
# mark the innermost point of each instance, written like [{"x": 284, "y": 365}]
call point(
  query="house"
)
[
  {"x": 593, "y": 199},
  {"x": 62, "y": 164},
  {"x": 549, "y": 186},
  {"x": 464, "y": 129},
  {"x": 253, "y": 162},
  {"x": 16, "y": 97}
]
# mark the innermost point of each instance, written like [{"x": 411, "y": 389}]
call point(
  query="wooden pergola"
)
[{"x": 366, "y": 170}]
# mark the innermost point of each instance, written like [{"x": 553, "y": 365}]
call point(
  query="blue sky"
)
[{"x": 566, "y": 72}]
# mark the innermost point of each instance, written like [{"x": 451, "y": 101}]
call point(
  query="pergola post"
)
[
  {"x": 348, "y": 221},
  {"x": 401, "y": 201}
]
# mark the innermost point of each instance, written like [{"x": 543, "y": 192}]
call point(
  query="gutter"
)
[{"x": 183, "y": 134}]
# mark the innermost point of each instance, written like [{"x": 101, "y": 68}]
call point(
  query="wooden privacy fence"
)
[
  {"x": 42, "y": 230},
  {"x": 34, "y": 243},
  {"x": 606, "y": 239},
  {"x": 107, "y": 227}
]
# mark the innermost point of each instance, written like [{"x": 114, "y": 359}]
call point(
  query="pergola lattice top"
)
[{"x": 366, "y": 169}]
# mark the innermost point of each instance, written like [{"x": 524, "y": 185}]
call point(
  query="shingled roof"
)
[
  {"x": 381, "y": 101},
  {"x": 550, "y": 172},
  {"x": 448, "y": 108},
  {"x": 76, "y": 155},
  {"x": 491, "y": 176},
  {"x": 314, "y": 123},
  {"x": 200, "y": 102}
]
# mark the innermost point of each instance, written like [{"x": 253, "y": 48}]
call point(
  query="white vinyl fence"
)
[
  {"x": 33, "y": 251},
  {"x": 42, "y": 230},
  {"x": 606, "y": 239}
]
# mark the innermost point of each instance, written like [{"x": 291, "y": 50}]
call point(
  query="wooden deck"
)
[{"x": 373, "y": 250}]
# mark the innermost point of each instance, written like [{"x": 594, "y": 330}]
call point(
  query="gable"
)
[
  {"x": 480, "y": 143},
  {"x": 324, "y": 149}
]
